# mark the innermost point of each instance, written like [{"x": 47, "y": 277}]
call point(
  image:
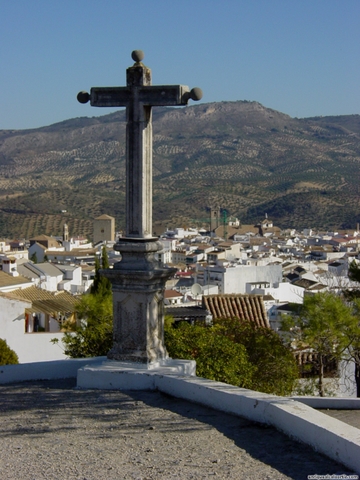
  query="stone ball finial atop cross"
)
[{"x": 137, "y": 55}]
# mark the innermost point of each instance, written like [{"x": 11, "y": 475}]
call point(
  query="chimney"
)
[{"x": 9, "y": 266}]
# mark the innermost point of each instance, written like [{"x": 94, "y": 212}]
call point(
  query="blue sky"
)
[{"x": 300, "y": 57}]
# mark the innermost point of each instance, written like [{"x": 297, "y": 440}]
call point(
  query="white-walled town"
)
[{"x": 219, "y": 269}]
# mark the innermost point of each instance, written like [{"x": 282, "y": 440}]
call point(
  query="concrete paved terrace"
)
[{"x": 51, "y": 430}]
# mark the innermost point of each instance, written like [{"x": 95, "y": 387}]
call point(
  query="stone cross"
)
[
  {"x": 138, "y": 280},
  {"x": 139, "y": 97}
]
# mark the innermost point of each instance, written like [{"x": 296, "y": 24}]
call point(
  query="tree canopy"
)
[
  {"x": 101, "y": 285},
  {"x": 237, "y": 353},
  {"x": 217, "y": 356},
  {"x": 7, "y": 355},
  {"x": 325, "y": 325},
  {"x": 354, "y": 271},
  {"x": 276, "y": 368},
  {"x": 93, "y": 336}
]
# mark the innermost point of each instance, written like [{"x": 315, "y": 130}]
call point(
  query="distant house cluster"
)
[
  {"x": 250, "y": 272},
  {"x": 281, "y": 266},
  {"x": 41, "y": 280}
]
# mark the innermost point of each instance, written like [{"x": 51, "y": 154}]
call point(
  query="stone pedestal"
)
[
  {"x": 138, "y": 283},
  {"x": 115, "y": 375}
]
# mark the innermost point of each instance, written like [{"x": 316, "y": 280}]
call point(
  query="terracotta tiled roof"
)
[
  {"x": 244, "y": 307},
  {"x": 47, "y": 302},
  {"x": 259, "y": 241},
  {"x": 171, "y": 294},
  {"x": 183, "y": 274},
  {"x": 41, "y": 237},
  {"x": 9, "y": 295},
  {"x": 104, "y": 217},
  {"x": 73, "y": 253},
  {"x": 7, "y": 280},
  {"x": 230, "y": 231},
  {"x": 227, "y": 244}
]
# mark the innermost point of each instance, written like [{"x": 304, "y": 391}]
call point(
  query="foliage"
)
[
  {"x": 354, "y": 275},
  {"x": 7, "y": 355},
  {"x": 236, "y": 353},
  {"x": 354, "y": 343},
  {"x": 324, "y": 325},
  {"x": 104, "y": 258},
  {"x": 353, "y": 295},
  {"x": 93, "y": 337},
  {"x": 217, "y": 357},
  {"x": 354, "y": 271},
  {"x": 101, "y": 285},
  {"x": 276, "y": 367}
]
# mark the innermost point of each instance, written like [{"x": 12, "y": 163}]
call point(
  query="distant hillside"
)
[{"x": 240, "y": 156}]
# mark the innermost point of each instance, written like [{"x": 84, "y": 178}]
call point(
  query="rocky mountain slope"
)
[{"x": 240, "y": 156}]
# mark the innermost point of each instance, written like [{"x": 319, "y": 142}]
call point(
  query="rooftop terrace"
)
[{"x": 51, "y": 430}]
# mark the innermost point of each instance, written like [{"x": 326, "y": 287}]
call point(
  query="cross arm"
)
[
  {"x": 156, "y": 95},
  {"x": 168, "y": 95},
  {"x": 109, "y": 96}
]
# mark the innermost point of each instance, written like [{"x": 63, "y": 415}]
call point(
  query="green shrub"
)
[
  {"x": 94, "y": 336},
  {"x": 236, "y": 353},
  {"x": 217, "y": 357},
  {"x": 7, "y": 355}
]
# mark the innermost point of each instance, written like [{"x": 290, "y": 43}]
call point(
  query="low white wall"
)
[
  {"x": 44, "y": 370},
  {"x": 347, "y": 386},
  {"x": 333, "y": 403}
]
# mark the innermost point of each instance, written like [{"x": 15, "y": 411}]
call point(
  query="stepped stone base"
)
[{"x": 115, "y": 375}]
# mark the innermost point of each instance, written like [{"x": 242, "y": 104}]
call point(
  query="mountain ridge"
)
[{"x": 240, "y": 156}]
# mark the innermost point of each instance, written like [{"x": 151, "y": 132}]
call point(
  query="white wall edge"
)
[
  {"x": 332, "y": 403},
  {"x": 50, "y": 370}
]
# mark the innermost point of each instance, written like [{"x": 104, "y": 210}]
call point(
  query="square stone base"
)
[{"x": 115, "y": 375}]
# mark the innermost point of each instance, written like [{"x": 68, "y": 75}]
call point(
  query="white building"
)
[
  {"x": 29, "y": 321},
  {"x": 104, "y": 229},
  {"x": 72, "y": 278},
  {"x": 233, "y": 277},
  {"x": 281, "y": 292},
  {"x": 165, "y": 255},
  {"x": 52, "y": 278},
  {"x": 44, "y": 275},
  {"x": 76, "y": 242}
]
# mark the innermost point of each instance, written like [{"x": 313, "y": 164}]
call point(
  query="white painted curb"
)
[
  {"x": 131, "y": 376},
  {"x": 333, "y": 403},
  {"x": 325, "y": 434}
]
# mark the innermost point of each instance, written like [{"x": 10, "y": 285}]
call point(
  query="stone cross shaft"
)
[
  {"x": 139, "y": 96},
  {"x": 138, "y": 280}
]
